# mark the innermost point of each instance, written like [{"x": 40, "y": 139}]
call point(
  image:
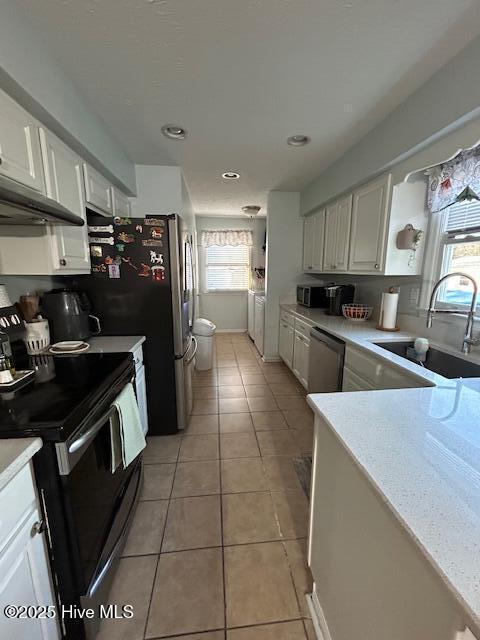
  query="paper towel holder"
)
[{"x": 380, "y": 320}]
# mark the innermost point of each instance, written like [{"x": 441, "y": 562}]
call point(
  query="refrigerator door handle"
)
[{"x": 194, "y": 341}]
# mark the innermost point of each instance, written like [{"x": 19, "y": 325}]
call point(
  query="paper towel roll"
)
[{"x": 388, "y": 317}]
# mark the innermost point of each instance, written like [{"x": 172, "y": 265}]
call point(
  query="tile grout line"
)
[{"x": 161, "y": 542}]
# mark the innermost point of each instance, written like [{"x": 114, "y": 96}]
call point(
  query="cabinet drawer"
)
[
  {"x": 287, "y": 317},
  {"x": 303, "y": 328},
  {"x": 16, "y": 500},
  {"x": 364, "y": 365}
]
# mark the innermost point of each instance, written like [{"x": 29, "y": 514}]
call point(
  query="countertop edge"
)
[
  {"x": 23, "y": 450},
  {"x": 128, "y": 344},
  {"x": 474, "y": 618}
]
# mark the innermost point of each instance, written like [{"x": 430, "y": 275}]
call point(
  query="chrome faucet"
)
[{"x": 468, "y": 339}]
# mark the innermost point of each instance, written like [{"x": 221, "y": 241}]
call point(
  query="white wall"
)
[
  {"x": 284, "y": 260},
  {"x": 229, "y": 310},
  {"x": 36, "y": 79},
  {"x": 447, "y": 101}
]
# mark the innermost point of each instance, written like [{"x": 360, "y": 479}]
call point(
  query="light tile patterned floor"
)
[{"x": 217, "y": 549}]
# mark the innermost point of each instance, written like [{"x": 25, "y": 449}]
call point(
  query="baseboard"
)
[
  {"x": 231, "y": 331},
  {"x": 271, "y": 359},
  {"x": 318, "y": 617}
]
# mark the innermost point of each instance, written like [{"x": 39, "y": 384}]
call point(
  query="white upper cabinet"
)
[
  {"x": 343, "y": 233},
  {"x": 64, "y": 184},
  {"x": 313, "y": 242},
  {"x": 337, "y": 233},
  {"x": 20, "y": 157},
  {"x": 120, "y": 204},
  {"x": 98, "y": 192},
  {"x": 369, "y": 223}
]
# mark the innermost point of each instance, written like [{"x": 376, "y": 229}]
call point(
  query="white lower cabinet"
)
[
  {"x": 301, "y": 353},
  {"x": 24, "y": 570},
  {"x": 259, "y": 323},
  {"x": 294, "y": 345},
  {"x": 251, "y": 314},
  {"x": 364, "y": 371},
  {"x": 286, "y": 339},
  {"x": 141, "y": 387}
]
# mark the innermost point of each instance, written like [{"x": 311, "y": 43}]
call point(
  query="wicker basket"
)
[{"x": 357, "y": 312}]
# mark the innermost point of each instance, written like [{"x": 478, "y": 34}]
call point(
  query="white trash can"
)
[{"x": 204, "y": 330}]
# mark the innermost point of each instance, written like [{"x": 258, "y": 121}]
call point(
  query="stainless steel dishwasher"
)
[{"x": 325, "y": 370}]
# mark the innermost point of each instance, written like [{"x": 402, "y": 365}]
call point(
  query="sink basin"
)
[{"x": 440, "y": 362}]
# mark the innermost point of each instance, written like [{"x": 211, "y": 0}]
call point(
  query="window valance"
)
[
  {"x": 227, "y": 238},
  {"x": 455, "y": 181}
]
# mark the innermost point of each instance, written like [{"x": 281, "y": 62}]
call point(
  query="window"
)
[
  {"x": 227, "y": 268},
  {"x": 460, "y": 251}
]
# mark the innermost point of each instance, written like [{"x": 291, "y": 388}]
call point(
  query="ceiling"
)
[{"x": 241, "y": 76}]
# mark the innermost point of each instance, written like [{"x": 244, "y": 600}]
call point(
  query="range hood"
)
[{"x": 21, "y": 205}]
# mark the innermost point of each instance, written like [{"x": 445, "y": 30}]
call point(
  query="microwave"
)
[{"x": 312, "y": 296}]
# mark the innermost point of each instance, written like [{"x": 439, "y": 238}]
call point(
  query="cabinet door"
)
[
  {"x": 353, "y": 382},
  {"x": 308, "y": 233},
  {"x": 329, "y": 254},
  {"x": 64, "y": 184},
  {"x": 25, "y": 579},
  {"x": 20, "y": 157},
  {"x": 285, "y": 343},
  {"x": 342, "y": 236},
  {"x": 313, "y": 242},
  {"x": 259, "y": 325},
  {"x": 120, "y": 204},
  {"x": 97, "y": 191},
  {"x": 141, "y": 387},
  {"x": 251, "y": 314},
  {"x": 318, "y": 240},
  {"x": 394, "y": 379},
  {"x": 369, "y": 221},
  {"x": 301, "y": 352}
]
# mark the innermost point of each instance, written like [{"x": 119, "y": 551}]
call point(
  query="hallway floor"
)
[{"x": 218, "y": 545}]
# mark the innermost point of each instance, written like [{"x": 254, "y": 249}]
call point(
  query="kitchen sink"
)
[{"x": 440, "y": 362}]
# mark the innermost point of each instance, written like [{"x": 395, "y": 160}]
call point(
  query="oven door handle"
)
[
  {"x": 90, "y": 433},
  {"x": 120, "y": 540}
]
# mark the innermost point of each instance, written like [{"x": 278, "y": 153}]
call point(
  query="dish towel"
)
[{"x": 132, "y": 439}]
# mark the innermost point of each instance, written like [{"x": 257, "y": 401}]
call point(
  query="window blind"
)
[
  {"x": 227, "y": 268},
  {"x": 463, "y": 217}
]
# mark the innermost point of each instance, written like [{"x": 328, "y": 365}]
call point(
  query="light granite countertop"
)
[
  {"x": 115, "y": 344},
  {"x": 420, "y": 449},
  {"x": 363, "y": 335},
  {"x": 15, "y": 453}
]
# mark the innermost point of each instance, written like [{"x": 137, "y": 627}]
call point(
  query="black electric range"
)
[
  {"x": 87, "y": 505},
  {"x": 64, "y": 392}
]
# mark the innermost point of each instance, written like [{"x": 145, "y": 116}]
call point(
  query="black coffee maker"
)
[
  {"x": 68, "y": 314},
  {"x": 338, "y": 294}
]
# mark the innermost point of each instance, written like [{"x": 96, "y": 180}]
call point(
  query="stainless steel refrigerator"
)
[{"x": 142, "y": 283}]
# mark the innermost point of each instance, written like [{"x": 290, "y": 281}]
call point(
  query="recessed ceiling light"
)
[
  {"x": 231, "y": 175},
  {"x": 251, "y": 210},
  {"x": 298, "y": 140},
  {"x": 174, "y": 132}
]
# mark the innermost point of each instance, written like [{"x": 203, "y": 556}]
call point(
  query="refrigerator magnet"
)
[
  {"x": 126, "y": 237},
  {"x": 144, "y": 270},
  {"x": 139, "y": 228},
  {"x": 96, "y": 251},
  {"x": 113, "y": 271},
  {"x": 130, "y": 263},
  {"x": 158, "y": 273},
  {"x": 152, "y": 243},
  {"x": 121, "y": 222},
  {"x": 157, "y": 234},
  {"x": 106, "y": 228},
  {"x": 108, "y": 260},
  {"x": 101, "y": 241},
  {"x": 120, "y": 247},
  {"x": 156, "y": 258},
  {"x": 99, "y": 268},
  {"x": 154, "y": 222}
]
